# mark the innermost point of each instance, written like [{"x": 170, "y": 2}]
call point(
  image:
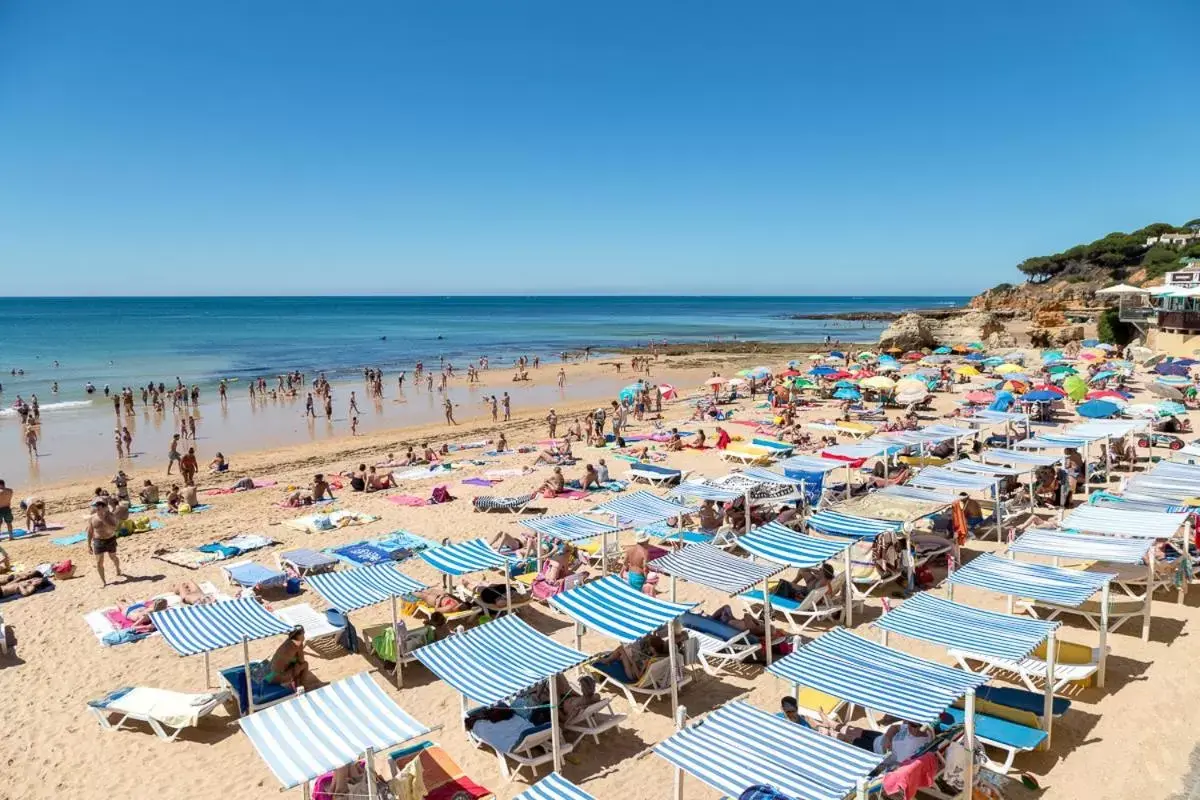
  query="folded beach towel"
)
[{"x": 406, "y": 500}]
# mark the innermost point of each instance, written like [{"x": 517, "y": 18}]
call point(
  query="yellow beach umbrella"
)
[
  {"x": 881, "y": 382},
  {"x": 967, "y": 369},
  {"x": 1006, "y": 369}
]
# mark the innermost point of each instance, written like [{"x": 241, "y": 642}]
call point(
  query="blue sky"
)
[{"x": 532, "y": 146}]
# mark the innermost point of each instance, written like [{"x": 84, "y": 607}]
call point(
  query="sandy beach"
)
[{"x": 1132, "y": 739}]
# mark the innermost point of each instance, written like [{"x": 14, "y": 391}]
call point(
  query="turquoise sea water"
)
[{"x": 132, "y": 341}]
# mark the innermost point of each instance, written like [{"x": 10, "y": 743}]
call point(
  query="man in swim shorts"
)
[
  {"x": 6, "y": 515},
  {"x": 102, "y": 537},
  {"x": 636, "y": 557}
]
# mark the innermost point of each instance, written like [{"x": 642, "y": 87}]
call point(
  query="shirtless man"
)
[
  {"x": 6, "y": 515},
  {"x": 554, "y": 484},
  {"x": 602, "y": 472},
  {"x": 320, "y": 488},
  {"x": 589, "y": 478},
  {"x": 149, "y": 493},
  {"x": 448, "y": 407},
  {"x": 21, "y": 583},
  {"x": 102, "y": 538},
  {"x": 552, "y": 422},
  {"x": 637, "y": 555},
  {"x": 172, "y": 452}
]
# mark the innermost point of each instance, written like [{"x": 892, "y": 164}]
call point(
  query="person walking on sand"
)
[
  {"x": 552, "y": 422},
  {"x": 449, "y": 411},
  {"x": 328, "y": 406},
  {"x": 119, "y": 442},
  {"x": 495, "y": 409},
  {"x": 188, "y": 466},
  {"x": 172, "y": 452},
  {"x": 562, "y": 377},
  {"x": 507, "y": 402},
  {"x": 127, "y": 438},
  {"x": 308, "y": 407},
  {"x": 6, "y": 515},
  {"x": 102, "y": 537},
  {"x": 353, "y": 404}
]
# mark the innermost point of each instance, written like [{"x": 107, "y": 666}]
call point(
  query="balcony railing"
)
[
  {"x": 1186, "y": 320},
  {"x": 1137, "y": 314}
]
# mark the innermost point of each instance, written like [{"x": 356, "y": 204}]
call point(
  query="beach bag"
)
[
  {"x": 63, "y": 569},
  {"x": 441, "y": 495},
  {"x": 763, "y": 792},
  {"x": 184, "y": 508},
  {"x": 322, "y": 522}
]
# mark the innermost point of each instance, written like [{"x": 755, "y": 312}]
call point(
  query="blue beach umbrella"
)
[
  {"x": 1168, "y": 408},
  {"x": 837, "y": 354},
  {"x": 820, "y": 371},
  {"x": 1174, "y": 380},
  {"x": 1090, "y": 342},
  {"x": 942, "y": 351},
  {"x": 1051, "y": 355},
  {"x": 1102, "y": 376},
  {"x": 847, "y": 394},
  {"x": 630, "y": 392},
  {"x": 993, "y": 361},
  {"x": 1171, "y": 368},
  {"x": 1097, "y": 409},
  {"x": 1042, "y": 396},
  {"x": 976, "y": 357},
  {"x": 844, "y": 384},
  {"x": 1003, "y": 402}
]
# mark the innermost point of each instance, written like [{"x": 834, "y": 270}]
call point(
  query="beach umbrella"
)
[
  {"x": 976, "y": 357},
  {"x": 1016, "y": 386},
  {"x": 926, "y": 372},
  {"x": 1075, "y": 387},
  {"x": 1164, "y": 391},
  {"x": 1091, "y": 355},
  {"x": 975, "y": 346},
  {"x": 1142, "y": 410},
  {"x": 1103, "y": 375},
  {"x": 630, "y": 392},
  {"x": 1171, "y": 368},
  {"x": 837, "y": 354},
  {"x": 936, "y": 360},
  {"x": 822, "y": 371},
  {"x": 793, "y": 365},
  {"x": 912, "y": 355},
  {"x": 1052, "y": 355},
  {"x": 1003, "y": 402},
  {"x": 1169, "y": 408},
  {"x": 1117, "y": 363},
  {"x": 980, "y": 396},
  {"x": 715, "y": 381},
  {"x": 993, "y": 361},
  {"x": 878, "y": 382},
  {"x": 1041, "y": 396},
  {"x": 844, "y": 384},
  {"x": 894, "y": 350},
  {"x": 838, "y": 375},
  {"x": 802, "y": 383},
  {"x": 1108, "y": 394},
  {"x": 1173, "y": 380},
  {"x": 1097, "y": 409},
  {"x": 816, "y": 357},
  {"x": 1090, "y": 342},
  {"x": 888, "y": 367},
  {"x": 1062, "y": 369},
  {"x": 1049, "y": 387},
  {"x": 743, "y": 373},
  {"x": 847, "y": 394},
  {"x": 668, "y": 391},
  {"x": 1106, "y": 347},
  {"x": 942, "y": 351},
  {"x": 911, "y": 386},
  {"x": 959, "y": 348},
  {"x": 966, "y": 369},
  {"x": 1015, "y": 355},
  {"x": 865, "y": 355},
  {"x": 789, "y": 373},
  {"x": 738, "y": 382},
  {"x": 1185, "y": 362},
  {"x": 760, "y": 371},
  {"x": 1007, "y": 369}
]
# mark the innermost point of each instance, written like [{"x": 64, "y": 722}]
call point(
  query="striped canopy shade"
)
[
  {"x": 1064, "y": 544},
  {"x": 942, "y": 478},
  {"x": 1119, "y": 522},
  {"x": 962, "y": 627},
  {"x": 1105, "y": 428},
  {"x": 554, "y": 787},
  {"x": 496, "y": 661},
  {"x": 782, "y": 545},
  {"x": 613, "y": 607},
  {"x": 1049, "y": 441},
  {"x": 363, "y": 586},
  {"x": 984, "y": 415},
  {"x": 1133, "y": 501},
  {"x": 1175, "y": 471},
  {"x": 918, "y": 494},
  {"x": 837, "y": 524},
  {"x": 975, "y": 468},
  {"x": 810, "y": 464},
  {"x": 866, "y": 673},
  {"x": 641, "y": 508},
  {"x": 463, "y": 558},
  {"x": 1064, "y": 587},
  {"x": 860, "y": 450},
  {"x": 703, "y": 490},
  {"x": 1014, "y": 457},
  {"x": 712, "y": 567},
  {"x": 318, "y": 731},
  {"x": 1162, "y": 488},
  {"x": 200, "y": 629},
  {"x": 739, "y": 746},
  {"x": 763, "y": 475},
  {"x": 947, "y": 431},
  {"x": 568, "y": 527}
]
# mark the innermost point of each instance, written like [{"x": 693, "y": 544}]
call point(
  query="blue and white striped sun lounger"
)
[
  {"x": 330, "y": 727},
  {"x": 514, "y": 505},
  {"x": 703, "y": 490},
  {"x": 641, "y": 508},
  {"x": 739, "y": 745},
  {"x": 654, "y": 474},
  {"x": 250, "y": 575}
]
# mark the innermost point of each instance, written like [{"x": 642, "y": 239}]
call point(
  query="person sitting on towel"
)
[
  {"x": 554, "y": 484},
  {"x": 501, "y": 443},
  {"x": 602, "y": 472},
  {"x": 149, "y": 493},
  {"x": 590, "y": 479},
  {"x": 288, "y": 666},
  {"x": 805, "y": 583},
  {"x": 675, "y": 443},
  {"x": 698, "y": 442},
  {"x": 377, "y": 482},
  {"x": 218, "y": 464},
  {"x": 174, "y": 498},
  {"x": 190, "y": 496}
]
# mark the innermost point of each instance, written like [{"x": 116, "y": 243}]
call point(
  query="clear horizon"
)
[{"x": 167, "y": 150}]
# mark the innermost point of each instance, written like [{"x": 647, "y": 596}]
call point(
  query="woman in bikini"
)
[{"x": 288, "y": 666}]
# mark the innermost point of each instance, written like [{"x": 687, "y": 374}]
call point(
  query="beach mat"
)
[
  {"x": 74, "y": 538},
  {"x": 406, "y": 500}
]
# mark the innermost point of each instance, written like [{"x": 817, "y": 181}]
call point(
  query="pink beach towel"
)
[
  {"x": 572, "y": 494},
  {"x": 406, "y": 500}
]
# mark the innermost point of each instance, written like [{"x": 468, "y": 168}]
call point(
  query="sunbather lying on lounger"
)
[
  {"x": 441, "y": 600},
  {"x": 746, "y": 622},
  {"x": 578, "y": 702},
  {"x": 710, "y": 516},
  {"x": 21, "y": 584},
  {"x": 506, "y": 542},
  {"x": 636, "y": 656},
  {"x": 805, "y": 582},
  {"x": 288, "y": 665}
]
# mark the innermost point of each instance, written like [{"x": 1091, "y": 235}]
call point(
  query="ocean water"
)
[{"x": 132, "y": 341}]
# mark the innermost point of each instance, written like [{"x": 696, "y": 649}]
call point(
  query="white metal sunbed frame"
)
[
  {"x": 593, "y": 721},
  {"x": 533, "y": 751},
  {"x": 317, "y": 627},
  {"x": 1030, "y": 670},
  {"x": 162, "y": 729},
  {"x": 655, "y": 683}
]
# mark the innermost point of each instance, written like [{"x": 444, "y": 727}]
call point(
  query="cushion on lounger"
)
[
  {"x": 263, "y": 692},
  {"x": 1001, "y": 731},
  {"x": 506, "y": 735},
  {"x": 712, "y": 627},
  {"x": 1021, "y": 699}
]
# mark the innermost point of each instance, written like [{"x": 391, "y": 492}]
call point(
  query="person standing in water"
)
[
  {"x": 449, "y": 411},
  {"x": 507, "y": 402}
]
